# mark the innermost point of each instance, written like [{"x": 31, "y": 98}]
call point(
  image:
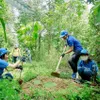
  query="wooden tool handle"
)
[
  {"x": 58, "y": 64},
  {"x": 60, "y": 60}
]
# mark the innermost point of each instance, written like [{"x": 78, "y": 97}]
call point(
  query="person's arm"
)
[
  {"x": 94, "y": 66},
  {"x": 71, "y": 46},
  {"x": 70, "y": 50},
  {"x": 15, "y": 64}
]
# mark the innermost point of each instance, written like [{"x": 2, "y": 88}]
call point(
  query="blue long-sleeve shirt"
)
[
  {"x": 72, "y": 41},
  {"x": 3, "y": 65},
  {"x": 91, "y": 65}
]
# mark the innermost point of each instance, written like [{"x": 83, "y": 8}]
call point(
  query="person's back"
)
[{"x": 72, "y": 41}]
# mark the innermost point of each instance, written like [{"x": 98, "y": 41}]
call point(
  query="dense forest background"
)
[{"x": 36, "y": 24}]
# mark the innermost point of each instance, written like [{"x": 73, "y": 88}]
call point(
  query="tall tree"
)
[{"x": 3, "y": 12}]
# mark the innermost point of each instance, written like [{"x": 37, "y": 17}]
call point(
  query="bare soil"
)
[{"x": 28, "y": 87}]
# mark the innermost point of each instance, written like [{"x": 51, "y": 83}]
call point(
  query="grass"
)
[
  {"x": 9, "y": 90},
  {"x": 41, "y": 69},
  {"x": 47, "y": 90}
]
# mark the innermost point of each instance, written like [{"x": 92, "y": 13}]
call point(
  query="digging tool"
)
[
  {"x": 20, "y": 81},
  {"x": 57, "y": 73}
]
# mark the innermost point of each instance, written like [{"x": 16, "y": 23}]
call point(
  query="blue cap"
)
[
  {"x": 3, "y": 51},
  {"x": 63, "y": 33},
  {"x": 84, "y": 52}
]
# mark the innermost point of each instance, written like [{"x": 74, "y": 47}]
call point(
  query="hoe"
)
[{"x": 57, "y": 73}]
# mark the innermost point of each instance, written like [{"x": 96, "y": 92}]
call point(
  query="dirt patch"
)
[{"x": 40, "y": 81}]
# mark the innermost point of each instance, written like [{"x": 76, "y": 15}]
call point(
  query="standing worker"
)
[
  {"x": 74, "y": 46},
  {"x": 16, "y": 53}
]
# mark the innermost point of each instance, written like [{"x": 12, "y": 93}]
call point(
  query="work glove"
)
[
  {"x": 19, "y": 67},
  {"x": 22, "y": 59},
  {"x": 63, "y": 55}
]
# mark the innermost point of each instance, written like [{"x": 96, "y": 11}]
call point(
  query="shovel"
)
[{"x": 57, "y": 73}]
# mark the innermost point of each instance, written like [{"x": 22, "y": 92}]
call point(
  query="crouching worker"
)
[
  {"x": 87, "y": 68},
  {"x": 4, "y": 64}
]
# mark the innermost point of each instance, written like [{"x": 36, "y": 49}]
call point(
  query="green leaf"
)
[
  {"x": 36, "y": 27},
  {"x": 36, "y": 82},
  {"x": 4, "y": 29},
  {"x": 49, "y": 84}
]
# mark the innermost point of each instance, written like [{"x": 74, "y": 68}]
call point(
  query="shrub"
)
[{"x": 9, "y": 90}]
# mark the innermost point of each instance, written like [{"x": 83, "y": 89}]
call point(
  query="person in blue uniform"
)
[
  {"x": 74, "y": 46},
  {"x": 4, "y": 64},
  {"x": 87, "y": 67}
]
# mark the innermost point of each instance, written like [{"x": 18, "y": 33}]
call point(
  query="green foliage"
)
[
  {"x": 39, "y": 29},
  {"x": 29, "y": 76},
  {"x": 37, "y": 82},
  {"x": 8, "y": 90},
  {"x": 49, "y": 85},
  {"x": 29, "y": 34},
  {"x": 95, "y": 16},
  {"x": 1, "y": 38},
  {"x": 26, "y": 97},
  {"x": 2, "y": 8},
  {"x": 44, "y": 68},
  {"x": 3, "y": 25},
  {"x": 60, "y": 98},
  {"x": 94, "y": 20},
  {"x": 59, "y": 1},
  {"x": 40, "y": 94},
  {"x": 83, "y": 94},
  {"x": 64, "y": 75},
  {"x": 98, "y": 76},
  {"x": 35, "y": 30},
  {"x": 4, "y": 16},
  {"x": 3, "y": 11},
  {"x": 72, "y": 92}
]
